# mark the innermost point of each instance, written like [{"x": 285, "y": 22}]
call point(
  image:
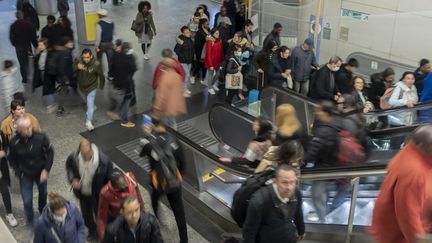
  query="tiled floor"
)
[{"x": 64, "y": 132}]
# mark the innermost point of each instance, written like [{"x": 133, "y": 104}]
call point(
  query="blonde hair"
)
[{"x": 286, "y": 120}]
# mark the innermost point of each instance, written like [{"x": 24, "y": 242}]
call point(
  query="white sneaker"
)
[
  {"x": 11, "y": 219},
  {"x": 211, "y": 91},
  {"x": 146, "y": 56},
  {"x": 188, "y": 92},
  {"x": 89, "y": 125},
  {"x": 192, "y": 80},
  {"x": 203, "y": 82},
  {"x": 215, "y": 87},
  {"x": 241, "y": 96},
  {"x": 186, "y": 95}
]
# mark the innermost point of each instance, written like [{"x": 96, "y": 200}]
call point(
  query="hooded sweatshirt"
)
[{"x": 91, "y": 77}]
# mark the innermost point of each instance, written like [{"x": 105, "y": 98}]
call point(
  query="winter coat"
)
[
  {"x": 275, "y": 69},
  {"x": 72, "y": 231},
  {"x": 169, "y": 98},
  {"x": 147, "y": 230},
  {"x": 7, "y": 126},
  {"x": 323, "y": 87},
  {"x": 400, "y": 97},
  {"x": 376, "y": 89},
  {"x": 146, "y": 25},
  {"x": 199, "y": 43},
  {"x": 100, "y": 178},
  {"x": 110, "y": 202},
  {"x": 22, "y": 35},
  {"x": 272, "y": 36},
  {"x": 31, "y": 15},
  {"x": 159, "y": 71},
  {"x": 426, "y": 115},
  {"x": 62, "y": 5},
  {"x": 64, "y": 31},
  {"x": 51, "y": 33},
  {"x": 31, "y": 162},
  {"x": 420, "y": 79},
  {"x": 399, "y": 215},
  {"x": 123, "y": 68},
  {"x": 184, "y": 49},
  {"x": 253, "y": 154},
  {"x": 58, "y": 69},
  {"x": 91, "y": 77},
  {"x": 301, "y": 64},
  {"x": 263, "y": 60},
  {"x": 9, "y": 85},
  {"x": 268, "y": 219},
  {"x": 323, "y": 148},
  {"x": 343, "y": 80},
  {"x": 214, "y": 54}
]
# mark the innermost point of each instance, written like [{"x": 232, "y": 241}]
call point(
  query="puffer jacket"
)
[
  {"x": 72, "y": 231},
  {"x": 184, "y": 49}
]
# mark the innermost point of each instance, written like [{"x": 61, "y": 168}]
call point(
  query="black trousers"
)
[
  {"x": 4, "y": 190},
  {"x": 200, "y": 71},
  {"x": 23, "y": 59},
  {"x": 231, "y": 94},
  {"x": 176, "y": 202},
  {"x": 89, "y": 208}
]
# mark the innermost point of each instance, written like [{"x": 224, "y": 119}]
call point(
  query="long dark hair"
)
[{"x": 264, "y": 131}]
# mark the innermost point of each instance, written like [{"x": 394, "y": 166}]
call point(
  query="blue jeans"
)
[
  {"x": 26, "y": 187},
  {"x": 90, "y": 105},
  {"x": 50, "y": 99},
  {"x": 123, "y": 108}
]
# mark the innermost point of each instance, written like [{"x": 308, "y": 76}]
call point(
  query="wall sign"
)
[{"x": 354, "y": 14}]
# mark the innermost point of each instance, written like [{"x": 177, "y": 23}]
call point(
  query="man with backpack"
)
[
  {"x": 166, "y": 160},
  {"x": 274, "y": 212}
]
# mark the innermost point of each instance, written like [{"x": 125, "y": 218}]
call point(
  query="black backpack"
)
[{"x": 243, "y": 194}]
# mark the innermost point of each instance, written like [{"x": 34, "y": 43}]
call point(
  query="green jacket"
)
[{"x": 91, "y": 77}]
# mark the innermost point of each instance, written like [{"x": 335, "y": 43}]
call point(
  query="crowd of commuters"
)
[{"x": 221, "y": 58}]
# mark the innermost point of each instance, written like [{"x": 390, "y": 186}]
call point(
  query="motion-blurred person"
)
[
  {"x": 9, "y": 85},
  {"x": 145, "y": 27},
  {"x": 165, "y": 154},
  {"x": 118, "y": 187},
  {"x": 400, "y": 214},
  {"x": 343, "y": 77},
  {"x": 420, "y": 75},
  {"x": 199, "y": 49},
  {"x": 133, "y": 225},
  {"x": 88, "y": 169},
  {"x": 60, "y": 221},
  {"x": 302, "y": 61},
  {"x": 184, "y": 49},
  {"x": 31, "y": 15},
  {"x": 323, "y": 86},
  {"x": 31, "y": 166},
  {"x": 274, "y": 35},
  {"x": 404, "y": 94},
  {"x": 279, "y": 69},
  {"x": 40, "y": 63},
  {"x": 5, "y": 183},
  {"x": 169, "y": 100},
  {"x": 167, "y": 53},
  {"x": 214, "y": 58},
  {"x": 22, "y": 36},
  {"x": 17, "y": 110},
  {"x": 89, "y": 77},
  {"x": 262, "y": 60},
  {"x": 274, "y": 212},
  {"x": 379, "y": 83},
  {"x": 121, "y": 89},
  {"x": 425, "y": 116},
  {"x": 64, "y": 28},
  {"x": 257, "y": 147},
  {"x": 63, "y": 7},
  {"x": 50, "y": 31},
  {"x": 240, "y": 18},
  {"x": 104, "y": 37}
]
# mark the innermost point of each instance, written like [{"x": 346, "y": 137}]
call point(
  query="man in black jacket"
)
[
  {"x": 31, "y": 156},
  {"x": 50, "y": 31},
  {"x": 88, "y": 170},
  {"x": 133, "y": 225},
  {"x": 343, "y": 77},
  {"x": 274, "y": 212},
  {"x": 185, "y": 53},
  {"x": 323, "y": 85},
  {"x": 274, "y": 35},
  {"x": 22, "y": 36}
]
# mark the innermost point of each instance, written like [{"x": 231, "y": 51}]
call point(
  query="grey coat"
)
[{"x": 302, "y": 62}]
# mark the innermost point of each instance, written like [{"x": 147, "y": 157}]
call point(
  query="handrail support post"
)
[{"x": 355, "y": 188}]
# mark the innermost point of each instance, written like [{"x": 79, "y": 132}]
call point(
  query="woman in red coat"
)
[
  {"x": 213, "y": 60},
  {"x": 402, "y": 209}
]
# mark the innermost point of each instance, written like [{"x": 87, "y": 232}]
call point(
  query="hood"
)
[
  {"x": 404, "y": 87},
  {"x": 91, "y": 63},
  {"x": 47, "y": 219},
  {"x": 130, "y": 185}
]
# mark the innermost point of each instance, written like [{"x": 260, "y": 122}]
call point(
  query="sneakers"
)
[
  {"x": 215, "y": 87},
  {"x": 211, "y": 91},
  {"x": 113, "y": 115},
  {"x": 203, "y": 82},
  {"x": 241, "y": 96},
  {"x": 146, "y": 56},
  {"x": 192, "y": 80},
  {"x": 11, "y": 219},
  {"x": 89, "y": 125},
  {"x": 127, "y": 124},
  {"x": 51, "y": 109},
  {"x": 187, "y": 93}
]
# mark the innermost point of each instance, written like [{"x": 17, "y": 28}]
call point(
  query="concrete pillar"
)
[{"x": 86, "y": 20}]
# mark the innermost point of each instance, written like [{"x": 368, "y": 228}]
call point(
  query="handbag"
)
[
  {"x": 234, "y": 81},
  {"x": 135, "y": 26}
]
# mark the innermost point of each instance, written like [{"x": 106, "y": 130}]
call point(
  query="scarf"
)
[{"x": 87, "y": 170}]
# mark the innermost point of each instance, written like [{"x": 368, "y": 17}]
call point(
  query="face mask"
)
[
  {"x": 335, "y": 69},
  {"x": 60, "y": 219}
]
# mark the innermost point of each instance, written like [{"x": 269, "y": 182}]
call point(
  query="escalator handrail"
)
[
  {"x": 234, "y": 169},
  {"x": 418, "y": 106},
  {"x": 342, "y": 174}
]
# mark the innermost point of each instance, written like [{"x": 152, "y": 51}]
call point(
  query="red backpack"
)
[{"x": 350, "y": 149}]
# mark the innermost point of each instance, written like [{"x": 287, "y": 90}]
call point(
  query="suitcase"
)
[{"x": 254, "y": 93}]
